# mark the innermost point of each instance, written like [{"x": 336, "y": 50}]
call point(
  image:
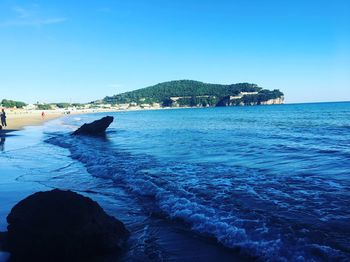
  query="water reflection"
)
[{"x": 2, "y": 144}]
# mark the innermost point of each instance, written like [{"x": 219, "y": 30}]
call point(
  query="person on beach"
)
[
  {"x": 42, "y": 114},
  {"x": 3, "y": 118}
]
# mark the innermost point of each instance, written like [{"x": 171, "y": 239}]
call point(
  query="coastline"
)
[{"x": 18, "y": 119}]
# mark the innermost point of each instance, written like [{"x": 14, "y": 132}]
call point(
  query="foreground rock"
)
[
  {"x": 96, "y": 128},
  {"x": 62, "y": 226}
]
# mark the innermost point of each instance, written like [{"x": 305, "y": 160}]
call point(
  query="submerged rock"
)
[
  {"x": 62, "y": 226},
  {"x": 96, "y": 128}
]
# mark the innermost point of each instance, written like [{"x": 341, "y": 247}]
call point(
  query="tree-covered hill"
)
[
  {"x": 195, "y": 93},
  {"x": 11, "y": 103}
]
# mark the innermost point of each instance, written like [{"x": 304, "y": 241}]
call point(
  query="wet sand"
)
[{"x": 12, "y": 188}]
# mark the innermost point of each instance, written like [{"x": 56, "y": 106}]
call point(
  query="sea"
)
[{"x": 250, "y": 183}]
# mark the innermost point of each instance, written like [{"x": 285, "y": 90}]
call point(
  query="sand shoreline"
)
[{"x": 18, "y": 119}]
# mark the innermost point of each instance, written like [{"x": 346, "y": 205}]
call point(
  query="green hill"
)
[
  {"x": 194, "y": 93},
  {"x": 11, "y": 103}
]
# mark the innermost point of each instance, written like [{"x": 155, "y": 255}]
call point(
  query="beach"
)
[{"x": 17, "y": 119}]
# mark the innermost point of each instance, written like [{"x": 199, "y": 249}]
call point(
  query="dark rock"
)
[
  {"x": 225, "y": 101},
  {"x": 96, "y": 128},
  {"x": 3, "y": 240},
  {"x": 62, "y": 226}
]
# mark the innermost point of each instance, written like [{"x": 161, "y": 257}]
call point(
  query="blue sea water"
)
[{"x": 266, "y": 183}]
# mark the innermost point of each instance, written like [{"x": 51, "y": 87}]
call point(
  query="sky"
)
[{"x": 83, "y": 50}]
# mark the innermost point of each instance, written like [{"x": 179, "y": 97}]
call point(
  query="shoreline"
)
[
  {"x": 18, "y": 119},
  {"x": 16, "y": 185}
]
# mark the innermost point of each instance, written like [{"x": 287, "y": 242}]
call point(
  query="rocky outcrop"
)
[
  {"x": 62, "y": 226},
  {"x": 96, "y": 128},
  {"x": 276, "y": 101},
  {"x": 224, "y": 101},
  {"x": 227, "y": 101}
]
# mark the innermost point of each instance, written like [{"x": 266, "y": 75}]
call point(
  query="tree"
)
[
  {"x": 63, "y": 105},
  {"x": 167, "y": 102},
  {"x": 44, "y": 107},
  {"x": 12, "y": 103}
]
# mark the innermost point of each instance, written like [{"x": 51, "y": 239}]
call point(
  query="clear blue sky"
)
[{"x": 82, "y": 50}]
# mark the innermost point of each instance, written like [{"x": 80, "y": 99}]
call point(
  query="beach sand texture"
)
[{"x": 18, "y": 119}]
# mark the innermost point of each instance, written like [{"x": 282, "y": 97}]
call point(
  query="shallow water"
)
[{"x": 270, "y": 182}]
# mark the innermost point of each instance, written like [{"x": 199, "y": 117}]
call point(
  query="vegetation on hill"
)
[
  {"x": 195, "y": 93},
  {"x": 62, "y": 105},
  {"x": 11, "y": 103},
  {"x": 44, "y": 107}
]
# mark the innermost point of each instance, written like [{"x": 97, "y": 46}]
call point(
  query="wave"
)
[{"x": 208, "y": 212}]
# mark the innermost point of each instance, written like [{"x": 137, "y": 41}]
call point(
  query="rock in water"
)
[
  {"x": 62, "y": 226},
  {"x": 96, "y": 128}
]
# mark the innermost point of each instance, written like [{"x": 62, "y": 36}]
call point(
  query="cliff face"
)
[
  {"x": 276, "y": 101},
  {"x": 238, "y": 102}
]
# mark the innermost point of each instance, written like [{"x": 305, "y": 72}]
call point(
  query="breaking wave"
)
[{"x": 260, "y": 214}]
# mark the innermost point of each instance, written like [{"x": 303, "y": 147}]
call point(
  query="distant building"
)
[
  {"x": 249, "y": 93},
  {"x": 241, "y": 94}
]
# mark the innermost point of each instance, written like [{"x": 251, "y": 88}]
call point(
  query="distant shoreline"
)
[{"x": 18, "y": 119}]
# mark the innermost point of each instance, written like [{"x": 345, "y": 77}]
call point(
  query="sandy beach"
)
[{"x": 16, "y": 120}]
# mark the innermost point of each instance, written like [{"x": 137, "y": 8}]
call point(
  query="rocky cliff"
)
[{"x": 276, "y": 101}]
